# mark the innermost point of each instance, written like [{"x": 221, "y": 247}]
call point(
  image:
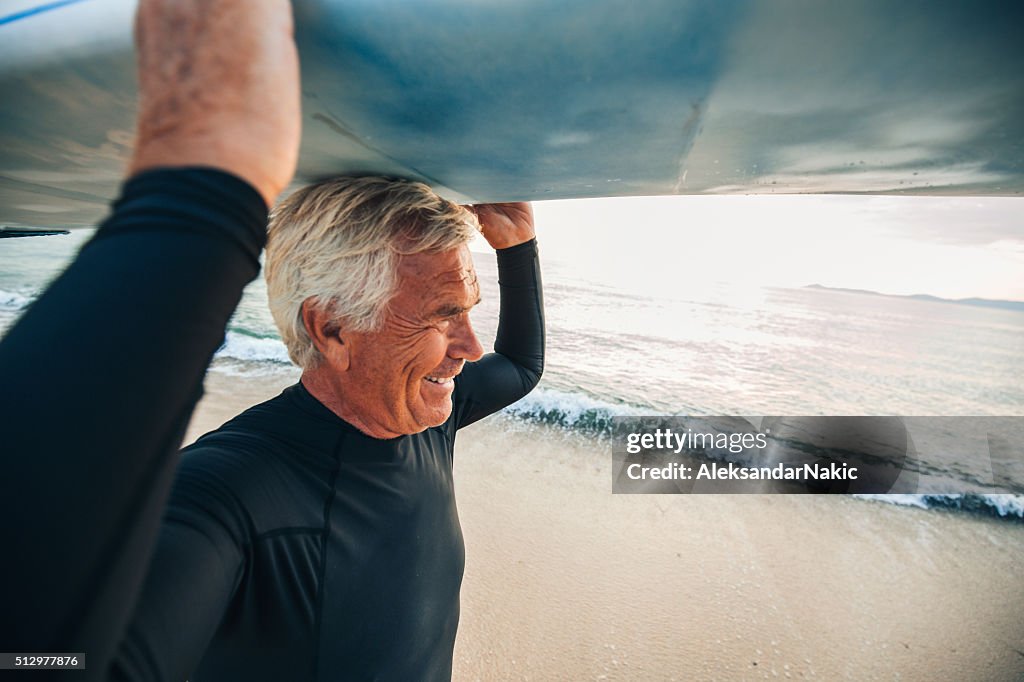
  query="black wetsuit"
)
[
  {"x": 97, "y": 383},
  {"x": 297, "y": 548}
]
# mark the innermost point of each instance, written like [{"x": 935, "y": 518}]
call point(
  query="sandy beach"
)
[{"x": 565, "y": 581}]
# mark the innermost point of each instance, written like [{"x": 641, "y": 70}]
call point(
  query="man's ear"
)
[{"x": 325, "y": 331}]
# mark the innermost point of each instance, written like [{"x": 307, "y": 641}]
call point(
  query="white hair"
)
[{"x": 339, "y": 241}]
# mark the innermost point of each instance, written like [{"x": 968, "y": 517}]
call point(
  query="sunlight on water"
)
[{"x": 629, "y": 340}]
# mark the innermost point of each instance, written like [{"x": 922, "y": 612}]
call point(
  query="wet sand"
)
[{"x": 565, "y": 581}]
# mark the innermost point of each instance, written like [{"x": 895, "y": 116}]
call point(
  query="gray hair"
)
[{"x": 339, "y": 242}]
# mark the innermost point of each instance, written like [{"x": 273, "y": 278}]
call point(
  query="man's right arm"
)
[
  {"x": 101, "y": 374},
  {"x": 196, "y": 569},
  {"x": 194, "y": 574},
  {"x": 99, "y": 378}
]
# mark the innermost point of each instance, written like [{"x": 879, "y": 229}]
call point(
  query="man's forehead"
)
[{"x": 430, "y": 273}]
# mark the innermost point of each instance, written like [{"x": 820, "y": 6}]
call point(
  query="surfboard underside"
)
[{"x": 544, "y": 100}]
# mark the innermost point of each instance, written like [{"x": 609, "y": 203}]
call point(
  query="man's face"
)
[{"x": 400, "y": 377}]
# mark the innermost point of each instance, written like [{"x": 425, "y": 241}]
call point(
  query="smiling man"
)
[{"x": 316, "y": 536}]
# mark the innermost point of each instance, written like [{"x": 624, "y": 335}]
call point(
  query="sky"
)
[{"x": 953, "y": 247}]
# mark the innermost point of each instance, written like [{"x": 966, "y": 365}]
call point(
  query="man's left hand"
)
[{"x": 505, "y": 225}]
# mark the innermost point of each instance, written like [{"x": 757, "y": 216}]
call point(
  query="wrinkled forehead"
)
[{"x": 428, "y": 275}]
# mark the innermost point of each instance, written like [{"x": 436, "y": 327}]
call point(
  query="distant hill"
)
[{"x": 977, "y": 302}]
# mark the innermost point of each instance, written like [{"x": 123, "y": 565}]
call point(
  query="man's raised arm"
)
[
  {"x": 101, "y": 374},
  {"x": 514, "y": 369}
]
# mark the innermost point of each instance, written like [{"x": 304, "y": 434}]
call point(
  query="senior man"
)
[{"x": 316, "y": 535}]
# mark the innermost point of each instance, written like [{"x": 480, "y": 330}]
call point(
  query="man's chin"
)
[{"x": 436, "y": 412}]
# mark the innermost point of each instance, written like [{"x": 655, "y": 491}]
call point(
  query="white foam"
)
[
  {"x": 253, "y": 349},
  {"x": 249, "y": 370},
  {"x": 902, "y": 500},
  {"x": 1002, "y": 504},
  {"x": 568, "y": 408},
  {"x": 1007, "y": 505},
  {"x": 13, "y": 301}
]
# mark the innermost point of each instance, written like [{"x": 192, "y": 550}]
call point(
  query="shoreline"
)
[{"x": 566, "y": 581}]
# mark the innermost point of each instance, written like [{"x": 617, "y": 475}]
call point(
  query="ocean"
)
[{"x": 618, "y": 348}]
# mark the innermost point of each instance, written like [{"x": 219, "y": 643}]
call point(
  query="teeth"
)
[{"x": 439, "y": 380}]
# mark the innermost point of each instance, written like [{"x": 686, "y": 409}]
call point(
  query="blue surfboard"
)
[{"x": 498, "y": 101}]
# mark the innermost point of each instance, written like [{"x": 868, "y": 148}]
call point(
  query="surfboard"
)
[{"x": 532, "y": 100}]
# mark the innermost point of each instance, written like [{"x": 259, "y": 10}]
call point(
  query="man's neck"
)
[{"x": 332, "y": 397}]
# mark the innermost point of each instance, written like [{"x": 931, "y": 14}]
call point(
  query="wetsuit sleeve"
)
[
  {"x": 192, "y": 579},
  {"x": 514, "y": 368},
  {"x": 100, "y": 377},
  {"x": 195, "y": 572}
]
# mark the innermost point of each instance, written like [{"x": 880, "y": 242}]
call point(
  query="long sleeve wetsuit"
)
[
  {"x": 297, "y": 548},
  {"x": 99, "y": 378}
]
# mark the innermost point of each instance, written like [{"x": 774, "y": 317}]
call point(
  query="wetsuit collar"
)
[{"x": 307, "y": 402}]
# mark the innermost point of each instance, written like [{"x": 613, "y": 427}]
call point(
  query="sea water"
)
[{"x": 621, "y": 349}]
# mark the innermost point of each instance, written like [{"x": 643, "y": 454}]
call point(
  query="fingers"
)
[{"x": 505, "y": 224}]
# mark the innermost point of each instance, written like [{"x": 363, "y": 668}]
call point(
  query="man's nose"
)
[{"x": 463, "y": 344}]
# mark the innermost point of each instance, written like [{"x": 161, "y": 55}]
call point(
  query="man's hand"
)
[
  {"x": 505, "y": 225},
  {"x": 219, "y": 86}
]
